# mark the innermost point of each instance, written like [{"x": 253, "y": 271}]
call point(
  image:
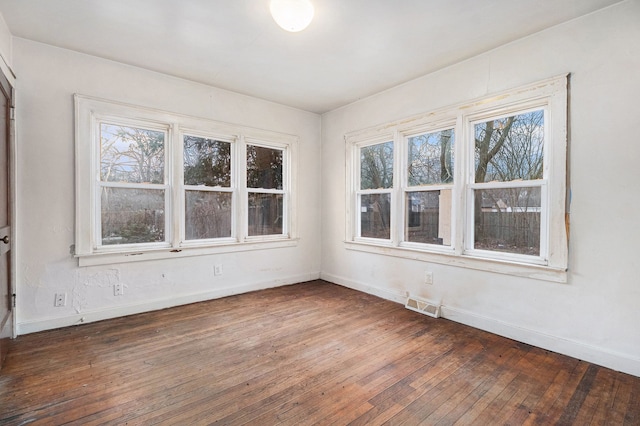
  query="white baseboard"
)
[
  {"x": 365, "y": 288},
  {"x": 26, "y": 327},
  {"x": 596, "y": 355}
]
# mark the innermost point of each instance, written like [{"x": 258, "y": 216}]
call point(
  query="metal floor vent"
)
[{"x": 423, "y": 306}]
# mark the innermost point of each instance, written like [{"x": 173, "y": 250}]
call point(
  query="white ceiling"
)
[{"x": 352, "y": 49}]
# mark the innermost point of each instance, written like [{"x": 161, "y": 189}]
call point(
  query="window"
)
[
  {"x": 208, "y": 188},
  {"x": 480, "y": 185},
  {"x": 265, "y": 190},
  {"x": 132, "y": 184},
  {"x": 374, "y": 193},
  {"x": 428, "y": 187},
  {"x": 153, "y": 184},
  {"x": 507, "y": 209}
]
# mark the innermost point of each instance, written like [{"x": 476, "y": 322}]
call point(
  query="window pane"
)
[
  {"x": 131, "y": 154},
  {"x": 207, "y": 214},
  {"x": 376, "y": 166},
  {"x": 265, "y": 214},
  {"x": 428, "y": 217},
  {"x": 508, "y": 220},
  {"x": 510, "y": 148},
  {"x": 264, "y": 167},
  {"x": 375, "y": 216},
  {"x": 430, "y": 158},
  {"x": 206, "y": 162},
  {"x": 132, "y": 215}
]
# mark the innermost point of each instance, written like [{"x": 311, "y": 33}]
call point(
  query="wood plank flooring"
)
[{"x": 311, "y": 353}]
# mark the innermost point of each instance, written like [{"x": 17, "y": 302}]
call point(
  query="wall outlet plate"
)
[
  {"x": 428, "y": 277},
  {"x": 118, "y": 289},
  {"x": 60, "y": 300},
  {"x": 217, "y": 270}
]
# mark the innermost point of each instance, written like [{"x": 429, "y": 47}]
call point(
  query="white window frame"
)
[
  {"x": 89, "y": 112},
  {"x": 551, "y": 265},
  {"x": 543, "y": 184},
  {"x": 360, "y": 192},
  {"x": 100, "y": 184},
  {"x": 437, "y": 126},
  {"x": 285, "y": 192},
  {"x": 233, "y": 189}
]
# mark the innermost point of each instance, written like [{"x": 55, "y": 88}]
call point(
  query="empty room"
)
[{"x": 319, "y": 212}]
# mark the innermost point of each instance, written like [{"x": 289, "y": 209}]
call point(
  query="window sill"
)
[
  {"x": 538, "y": 272},
  {"x": 107, "y": 258}
]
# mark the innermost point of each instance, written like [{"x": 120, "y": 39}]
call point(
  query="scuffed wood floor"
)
[{"x": 312, "y": 353}]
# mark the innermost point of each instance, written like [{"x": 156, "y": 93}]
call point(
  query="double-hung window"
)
[
  {"x": 507, "y": 193},
  {"x": 132, "y": 187},
  {"x": 375, "y": 190},
  {"x": 152, "y": 184},
  {"x": 428, "y": 189},
  {"x": 266, "y": 192},
  {"x": 479, "y": 185},
  {"x": 209, "y": 187}
]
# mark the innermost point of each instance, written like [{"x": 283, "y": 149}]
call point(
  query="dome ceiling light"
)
[{"x": 292, "y": 15}]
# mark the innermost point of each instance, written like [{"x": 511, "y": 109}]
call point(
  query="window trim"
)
[
  {"x": 550, "y": 94},
  {"x": 90, "y": 111},
  {"x": 285, "y": 191},
  {"x": 181, "y": 239},
  {"x": 405, "y": 135},
  {"x": 382, "y": 139}
]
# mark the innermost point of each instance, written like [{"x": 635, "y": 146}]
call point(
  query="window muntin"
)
[
  {"x": 376, "y": 178},
  {"x": 266, "y": 193},
  {"x": 132, "y": 198},
  {"x": 430, "y": 162},
  {"x": 208, "y": 190},
  {"x": 528, "y": 124},
  {"x": 509, "y": 150}
]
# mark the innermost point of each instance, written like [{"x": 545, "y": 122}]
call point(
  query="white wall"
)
[
  {"x": 594, "y": 316},
  {"x": 48, "y": 78},
  {"x": 5, "y": 43}
]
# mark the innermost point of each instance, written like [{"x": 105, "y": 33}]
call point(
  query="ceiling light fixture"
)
[{"x": 292, "y": 15}]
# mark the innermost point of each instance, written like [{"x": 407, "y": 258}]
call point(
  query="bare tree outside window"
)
[
  {"x": 376, "y": 166},
  {"x": 130, "y": 154},
  {"x": 509, "y": 149},
  {"x": 431, "y": 158}
]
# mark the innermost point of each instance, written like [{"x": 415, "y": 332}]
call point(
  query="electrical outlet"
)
[
  {"x": 60, "y": 300},
  {"x": 217, "y": 270},
  {"x": 428, "y": 277},
  {"x": 118, "y": 289}
]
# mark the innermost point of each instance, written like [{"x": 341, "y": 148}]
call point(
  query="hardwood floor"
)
[{"x": 312, "y": 353}]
